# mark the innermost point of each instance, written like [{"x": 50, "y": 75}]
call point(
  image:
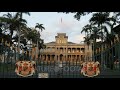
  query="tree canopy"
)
[{"x": 11, "y": 23}]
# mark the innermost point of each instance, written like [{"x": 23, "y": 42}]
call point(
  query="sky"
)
[{"x": 53, "y": 25}]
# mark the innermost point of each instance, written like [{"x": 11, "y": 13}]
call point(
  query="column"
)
[
  {"x": 58, "y": 50},
  {"x": 55, "y": 53},
  {"x": 53, "y": 57},
  {"x": 76, "y": 58},
  {"x": 50, "y": 57},
  {"x": 40, "y": 57},
  {"x": 58, "y": 58},
  {"x": 46, "y": 57},
  {"x": 43, "y": 57},
  {"x": 66, "y": 54},
  {"x": 71, "y": 58},
  {"x": 68, "y": 57},
  {"x": 80, "y": 57},
  {"x": 65, "y": 57}
]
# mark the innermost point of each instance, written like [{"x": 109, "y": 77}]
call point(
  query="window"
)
[
  {"x": 69, "y": 50},
  {"x": 73, "y": 51},
  {"x": 60, "y": 41},
  {"x": 64, "y": 41},
  {"x": 81, "y": 51},
  {"x": 57, "y": 41}
]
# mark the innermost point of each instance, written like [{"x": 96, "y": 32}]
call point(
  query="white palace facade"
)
[{"x": 63, "y": 50}]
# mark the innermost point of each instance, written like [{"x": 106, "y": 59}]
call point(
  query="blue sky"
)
[{"x": 52, "y": 23}]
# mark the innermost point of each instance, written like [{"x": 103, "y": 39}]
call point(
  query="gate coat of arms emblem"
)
[
  {"x": 90, "y": 69},
  {"x": 25, "y": 68}
]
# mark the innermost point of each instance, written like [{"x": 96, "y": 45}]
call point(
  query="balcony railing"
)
[{"x": 59, "y": 51}]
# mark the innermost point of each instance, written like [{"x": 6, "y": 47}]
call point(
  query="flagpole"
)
[{"x": 61, "y": 20}]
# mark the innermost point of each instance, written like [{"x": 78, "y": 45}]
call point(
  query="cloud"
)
[
  {"x": 52, "y": 23},
  {"x": 72, "y": 28},
  {"x": 69, "y": 25},
  {"x": 76, "y": 38}
]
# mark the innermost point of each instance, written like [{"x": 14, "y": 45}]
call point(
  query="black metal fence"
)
[
  {"x": 9, "y": 56},
  {"x": 110, "y": 58},
  {"x": 109, "y": 61}
]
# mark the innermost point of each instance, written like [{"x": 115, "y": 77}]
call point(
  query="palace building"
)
[{"x": 63, "y": 50}]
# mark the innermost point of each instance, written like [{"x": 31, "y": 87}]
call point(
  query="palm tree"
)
[
  {"x": 92, "y": 35},
  {"x": 39, "y": 26},
  {"x": 11, "y": 22},
  {"x": 8, "y": 21},
  {"x": 0, "y": 28},
  {"x": 86, "y": 29},
  {"x": 102, "y": 19},
  {"x": 20, "y": 14}
]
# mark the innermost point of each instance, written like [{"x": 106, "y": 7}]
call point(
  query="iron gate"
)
[
  {"x": 9, "y": 56},
  {"x": 109, "y": 60}
]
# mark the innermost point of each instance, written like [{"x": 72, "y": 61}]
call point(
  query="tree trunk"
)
[
  {"x": 19, "y": 30},
  {"x": 102, "y": 61},
  {"x": 37, "y": 49}
]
